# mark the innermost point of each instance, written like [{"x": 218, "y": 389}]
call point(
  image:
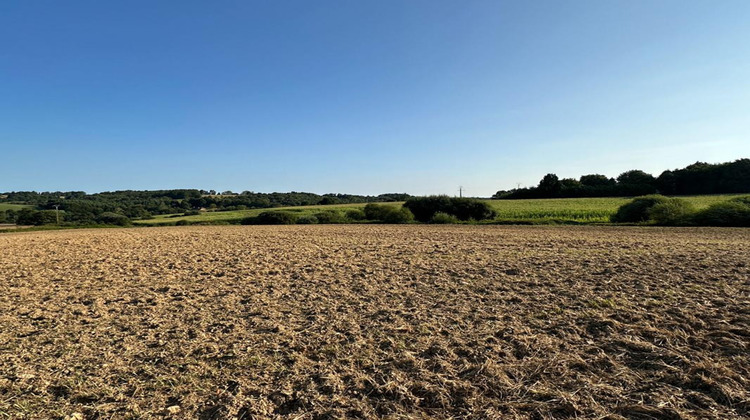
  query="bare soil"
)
[{"x": 319, "y": 322}]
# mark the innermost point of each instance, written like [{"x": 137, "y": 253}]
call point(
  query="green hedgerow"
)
[
  {"x": 728, "y": 213},
  {"x": 443, "y": 218},
  {"x": 637, "y": 210},
  {"x": 673, "y": 212}
]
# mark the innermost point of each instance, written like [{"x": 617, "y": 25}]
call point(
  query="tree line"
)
[
  {"x": 119, "y": 207},
  {"x": 696, "y": 179}
]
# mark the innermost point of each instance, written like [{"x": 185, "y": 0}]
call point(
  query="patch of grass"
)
[{"x": 7, "y": 206}]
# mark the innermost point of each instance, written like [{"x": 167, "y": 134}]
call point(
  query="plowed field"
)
[{"x": 315, "y": 322}]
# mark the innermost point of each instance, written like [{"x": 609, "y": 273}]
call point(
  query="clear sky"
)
[{"x": 365, "y": 97}]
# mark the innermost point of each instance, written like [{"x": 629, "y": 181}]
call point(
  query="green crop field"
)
[
  {"x": 5, "y": 206},
  {"x": 577, "y": 210},
  {"x": 580, "y": 210},
  {"x": 553, "y": 210}
]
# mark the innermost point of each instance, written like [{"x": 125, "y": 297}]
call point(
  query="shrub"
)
[
  {"x": 307, "y": 220},
  {"x": 674, "y": 211},
  {"x": 271, "y": 218},
  {"x": 330, "y": 216},
  {"x": 191, "y": 213},
  {"x": 376, "y": 211},
  {"x": 637, "y": 210},
  {"x": 424, "y": 208},
  {"x": 745, "y": 199},
  {"x": 388, "y": 214},
  {"x": 470, "y": 209},
  {"x": 355, "y": 214},
  {"x": 443, "y": 218},
  {"x": 398, "y": 215},
  {"x": 109, "y": 218},
  {"x": 728, "y": 213},
  {"x": 182, "y": 223}
]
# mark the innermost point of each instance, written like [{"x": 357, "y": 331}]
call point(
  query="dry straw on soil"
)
[{"x": 375, "y": 322}]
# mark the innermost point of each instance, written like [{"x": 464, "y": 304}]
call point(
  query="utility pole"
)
[
  {"x": 460, "y": 191},
  {"x": 57, "y": 213}
]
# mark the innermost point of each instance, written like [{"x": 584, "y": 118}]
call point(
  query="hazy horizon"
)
[{"x": 368, "y": 97}]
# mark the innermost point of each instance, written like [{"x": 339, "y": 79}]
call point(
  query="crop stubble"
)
[{"x": 375, "y": 321}]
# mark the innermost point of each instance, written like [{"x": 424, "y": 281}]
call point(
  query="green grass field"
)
[
  {"x": 553, "y": 210},
  {"x": 5, "y": 206}
]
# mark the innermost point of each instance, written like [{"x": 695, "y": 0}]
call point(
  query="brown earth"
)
[{"x": 316, "y": 322}]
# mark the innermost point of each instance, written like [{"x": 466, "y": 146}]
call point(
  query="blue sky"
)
[{"x": 365, "y": 97}]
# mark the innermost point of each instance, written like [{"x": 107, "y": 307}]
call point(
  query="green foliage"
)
[
  {"x": 330, "y": 217},
  {"x": 443, "y": 218},
  {"x": 695, "y": 179},
  {"x": 729, "y": 213},
  {"x": 82, "y": 208},
  {"x": 110, "y": 218},
  {"x": 424, "y": 208},
  {"x": 635, "y": 177},
  {"x": 550, "y": 185},
  {"x": 272, "y": 218},
  {"x": 3, "y": 216},
  {"x": 374, "y": 211},
  {"x": 636, "y": 182},
  {"x": 388, "y": 214},
  {"x": 637, "y": 210},
  {"x": 355, "y": 215},
  {"x": 673, "y": 212},
  {"x": 745, "y": 199},
  {"x": 307, "y": 220},
  {"x": 399, "y": 215},
  {"x": 182, "y": 223},
  {"x": 328, "y": 200},
  {"x": 28, "y": 217},
  {"x": 537, "y": 211},
  {"x": 596, "y": 180}
]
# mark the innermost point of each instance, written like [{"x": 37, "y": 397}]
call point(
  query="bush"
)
[
  {"x": 398, "y": 215},
  {"x": 330, "y": 216},
  {"x": 191, "y": 213},
  {"x": 672, "y": 212},
  {"x": 637, "y": 210},
  {"x": 443, "y": 218},
  {"x": 376, "y": 211},
  {"x": 424, "y": 208},
  {"x": 355, "y": 214},
  {"x": 470, "y": 209},
  {"x": 388, "y": 214},
  {"x": 728, "y": 213},
  {"x": 182, "y": 223},
  {"x": 109, "y": 218},
  {"x": 271, "y": 218},
  {"x": 307, "y": 220},
  {"x": 743, "y": 200}
]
